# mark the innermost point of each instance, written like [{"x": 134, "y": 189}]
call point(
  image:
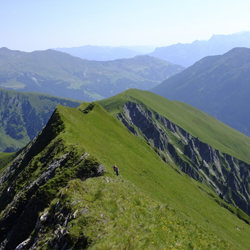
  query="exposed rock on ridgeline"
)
[
  {"x": 32, "y": 181},
  {"x": 228, "y": 176}
]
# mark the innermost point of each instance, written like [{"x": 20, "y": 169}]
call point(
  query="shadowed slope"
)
[{"x": 217, "y": 85}]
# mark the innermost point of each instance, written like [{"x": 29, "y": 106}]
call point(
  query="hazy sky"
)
[{"x": 29, "y": 25}]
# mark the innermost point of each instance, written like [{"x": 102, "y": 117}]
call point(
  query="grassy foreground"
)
[
  {"x": 145, "y": 199},
  {"x": 116, "y": 216}
]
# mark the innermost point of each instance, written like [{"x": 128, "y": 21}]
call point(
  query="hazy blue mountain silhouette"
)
[
  {"x": 218, "y": 85},
  {"x": 106, "y": 53},
  {"x": 60, "y": 74},
  {"x": 100, "y": 53},
  {"x": 188, "y": 54}
]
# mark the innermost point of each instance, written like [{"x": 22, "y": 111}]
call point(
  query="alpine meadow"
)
[{"x": 61, "y": 190}]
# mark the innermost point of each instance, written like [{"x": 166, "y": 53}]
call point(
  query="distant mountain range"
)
[
  {"x": 217, "y": 85},
  {"x": 63, "y": 75},
  {"x": 180, "y": 54},
  {"x": 187, "y": 54},
  {"x": 106, "y": 53}
]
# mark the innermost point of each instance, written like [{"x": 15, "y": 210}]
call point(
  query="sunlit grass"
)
[
  {"x": 113, "y": 214},
  {"x": 149, "y": 206},
  {"x": 109, "y": 141},
  {"x": 197, "y": 123}
]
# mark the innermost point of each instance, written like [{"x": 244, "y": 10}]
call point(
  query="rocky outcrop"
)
[
  {"x": 226, "y": 175},
  {"x": 57, "y": 220},
  {"x": 34, "y": 178}
]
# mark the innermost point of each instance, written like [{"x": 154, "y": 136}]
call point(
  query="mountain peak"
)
[
  {"x": 215, "y": 84},
  {"x": 187, "y": 54}
]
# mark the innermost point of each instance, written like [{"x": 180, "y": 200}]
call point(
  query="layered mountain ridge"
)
[
  {"x": 50, "y": 196},
  {"x": 217, "y": 85},
  {"x": 189, "y": 53},
  {"x": 23, "y": 115},
  {"x": 63, "y": 75},
  {"x": 100, "y": 53}
]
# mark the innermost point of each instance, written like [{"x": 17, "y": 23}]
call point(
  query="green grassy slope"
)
[
  {"x": 106, "y": 138},
  {"x": 7, "y": 142},
  {"x": 5, "y": 159},
  {"x": 150, "y": 205},
  {"x": 119, "y": 216},
  {"x": 194, "y": 121}
]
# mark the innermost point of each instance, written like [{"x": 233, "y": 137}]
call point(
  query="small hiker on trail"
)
[{"x": 116, "y": 169}]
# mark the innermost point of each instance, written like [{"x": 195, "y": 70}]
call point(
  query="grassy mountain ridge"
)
[
  {"x": 218, "y": 85},
  {"x": 23, "y": 115},
  {"x": 165, "y": 209},
  {"x": 63, "y": 75},
  {"x": 196, "y": 122},
  {"x": 196, "y": 143}
]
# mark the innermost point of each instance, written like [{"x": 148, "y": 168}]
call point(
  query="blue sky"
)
[{"x": 29, "y": 25}]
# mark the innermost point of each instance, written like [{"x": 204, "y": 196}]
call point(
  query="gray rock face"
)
[{"x": 226, "y": 175}]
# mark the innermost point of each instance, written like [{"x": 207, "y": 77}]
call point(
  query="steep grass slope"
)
[
  {"x": 211, "y": 162},
  {"x": 199, "y": 124},
  {"x": 112, "y": 143},
  {"x": 150, "y": 205}
]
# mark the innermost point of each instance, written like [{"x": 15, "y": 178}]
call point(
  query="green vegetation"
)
[
  {"x": 199, "y": 124},
  {"x": 5, "y": 159},
  {"x": 9, "y": 144},
  {"x": 111, "y": 143},
  {"x": 149, "y": 199},
  {"x": 194, "y": 156},
  {"x": 112, "y": 213},
  {"x": 23, "y": 115}
]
